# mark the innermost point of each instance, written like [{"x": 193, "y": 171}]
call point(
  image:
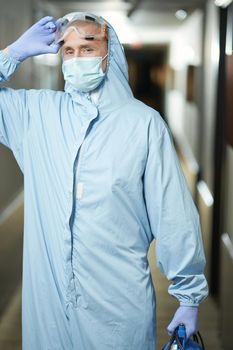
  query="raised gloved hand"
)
[
  {"x": 188, "y": 315},
  {"x": 35, "y": 41}
]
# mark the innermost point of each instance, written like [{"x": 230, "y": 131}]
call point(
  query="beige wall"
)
[
  {"x": 15, "y": 18},
  {"x": 184, "y": 115}
]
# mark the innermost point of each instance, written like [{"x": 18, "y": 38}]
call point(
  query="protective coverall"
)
[{"x": 101, "y": 181}]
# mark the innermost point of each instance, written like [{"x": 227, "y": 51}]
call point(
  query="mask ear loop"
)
[
  {"x": 105, "y": 56},
  {"x": 108, "y": 47}
]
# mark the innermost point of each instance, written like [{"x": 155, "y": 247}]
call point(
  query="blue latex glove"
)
[
  {"x": 188, "y": 315},
  {"x": 35, "y": 41}
]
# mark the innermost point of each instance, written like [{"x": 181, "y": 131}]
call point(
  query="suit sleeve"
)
[
  {"x": 173, "y": 217},
  {"x": 13, "y": 107}
]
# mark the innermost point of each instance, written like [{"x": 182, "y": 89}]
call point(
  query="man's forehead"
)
[{"x": 73, "y": 40}]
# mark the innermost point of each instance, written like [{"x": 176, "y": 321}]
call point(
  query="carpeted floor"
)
[{"x": 10, "y": 325}]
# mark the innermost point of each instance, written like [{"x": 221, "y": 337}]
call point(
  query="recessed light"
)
[{"x": 181, "y": 14}]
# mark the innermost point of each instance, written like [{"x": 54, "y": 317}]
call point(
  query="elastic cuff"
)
[
  {"x": 7, "y": 57},
  {"x": 189, "y": 304},
  {"x": 8, "y": 66}
]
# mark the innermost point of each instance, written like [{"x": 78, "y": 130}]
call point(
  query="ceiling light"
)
[
  {"x": 222, "y": 3},
  {"x": 181, "y": 14},
  {"x": 49, "y": 59}
]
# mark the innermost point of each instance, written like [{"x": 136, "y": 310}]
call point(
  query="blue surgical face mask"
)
[{"x": 84, "y": 73}]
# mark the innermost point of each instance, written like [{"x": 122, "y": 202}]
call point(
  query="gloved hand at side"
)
[
  {"x": 188, "y": 315},
  {"x": 35, "y": 41}
]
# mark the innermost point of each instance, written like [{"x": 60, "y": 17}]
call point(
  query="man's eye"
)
[
  {"x": 88, "y": 49},
  {"x": 68, "y": 52}
]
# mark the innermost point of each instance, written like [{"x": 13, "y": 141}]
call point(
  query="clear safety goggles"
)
[{"x": 79, "y": 24}]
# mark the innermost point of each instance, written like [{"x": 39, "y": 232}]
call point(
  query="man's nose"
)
[{"x": 77, "y": 53}]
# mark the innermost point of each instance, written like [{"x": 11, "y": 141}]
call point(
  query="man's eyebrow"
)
[
  {"x": 88, "y": 45},
  {"x": 64, "y": 46}
]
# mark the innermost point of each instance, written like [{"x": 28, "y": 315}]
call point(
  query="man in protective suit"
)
[{"x": 101, "y": 181}]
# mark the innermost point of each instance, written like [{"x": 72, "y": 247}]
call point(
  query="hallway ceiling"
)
[
  {"x": 153, "y": 15},
  {"x": 145, "y": 4},
  {"x": 129, "y": 7}
]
